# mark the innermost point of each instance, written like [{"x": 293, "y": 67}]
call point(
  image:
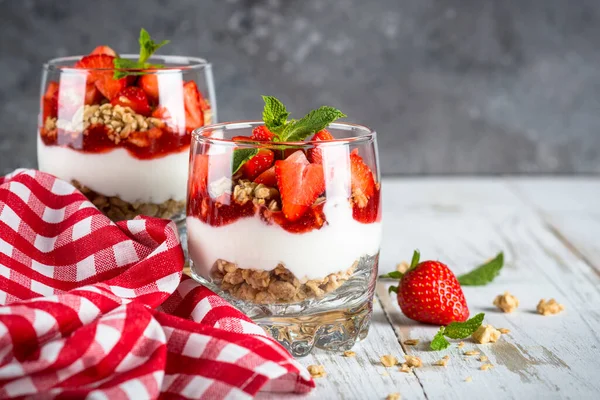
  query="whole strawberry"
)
[{"x": 429, "y": 292}]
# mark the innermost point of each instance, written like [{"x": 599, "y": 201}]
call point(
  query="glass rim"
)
[
  {"x": 196, "y": 63},
  {"x": 197, "y": 135}
]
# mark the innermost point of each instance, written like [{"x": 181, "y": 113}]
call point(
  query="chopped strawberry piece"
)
[
  {"x": 363, "y": 182},
  {"x": 262, "y": 134},
  {"x": 300, "y": 184},
  {"x": 262, "y": 161},
  {"x": 314, "y": 155},
  {"x": 149, "y": 83},
  {"x": 104, "y": 50},
  {"x": 50, "y": 101},
  {"x": 100, "y": 69},
  {"x": 92, "y": 94},
  {"x": 199, "y": 175},
  {"x": 242, "y": 139},
  {"x": 134, "y": 98},
  {"x": 194, "y": 117},
  {"x": 267, "y": 178}
]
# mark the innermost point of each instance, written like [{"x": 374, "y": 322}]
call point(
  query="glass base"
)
[{"x": 334, "y": 322}]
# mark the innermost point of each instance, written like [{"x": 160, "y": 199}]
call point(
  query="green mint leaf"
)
[
  {"x": 240, "y": 157},
  {"x": 125, "y": 67},
  {"x": 313, "y": 122},
  {"x": 439, "y": 342},
  {"x": 483, "y": 274},
  {"x": 148, "y": 46},
  {"x": 392, "y": 275},
  {"x": 462, "y": 330},
  {"x": 274, "y": 114}
]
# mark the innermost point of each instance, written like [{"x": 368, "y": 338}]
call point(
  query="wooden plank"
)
[
  {"x": 363, "y": 376},
  {"x": 571, "y": 206},
  {"x": 543, "y": 357}
]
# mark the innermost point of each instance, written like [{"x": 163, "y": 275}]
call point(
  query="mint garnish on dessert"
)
[
  {"x": 147, "y": 48},
  {"x": 275, "y": 117},
  {"x": 456, "y": 330}
]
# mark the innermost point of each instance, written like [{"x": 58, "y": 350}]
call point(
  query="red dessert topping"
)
[
  {"x": 314, "y": 155},
  {"x": 362, "y": 176},
  {"x": 262, "y": 134},
  {"x": 101, "y": 74},
  {"x": 300, "y": 184},
  {"x": 267, "y": 178},
  {"x": 50, "y": 101},
  {"x": 262, "y": 161},
  {"x": 149, "y": 83},
  {"x": 134, "y": 98},
  {"x": 104, "y": 50},
  {"x": 194, "y": 117}
]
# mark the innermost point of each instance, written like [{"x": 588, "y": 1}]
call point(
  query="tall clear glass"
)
[
  {"x": 307, "y": 273},
  {"x": 124, "y": 142}
]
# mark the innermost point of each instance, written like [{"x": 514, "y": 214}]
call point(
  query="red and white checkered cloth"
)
[{"x": 97, "y": 310}]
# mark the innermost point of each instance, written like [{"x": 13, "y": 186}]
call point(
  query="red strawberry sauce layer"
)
[
  {"x": 96, "y": 141},
  {"x": 218, "y": 213}
]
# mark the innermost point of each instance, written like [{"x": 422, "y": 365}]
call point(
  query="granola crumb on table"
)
[
  {"x": 506, "y": 302},
  {"x": 411, "y": 342},
  {"x": 317, "y": 371},
  {"x": 549, "y": 307},
  {"x": 486, "y": 334},
  {"x": 393, "y": 396},
  {"x": 413, "y": 361},
  {"x": 485, "y": 367},
  {"x": 388, "y": 360},
  {"x": 349, "y": 353},
  {"x": 504, "y": 331},
  {"x": 405, "y": 368}
]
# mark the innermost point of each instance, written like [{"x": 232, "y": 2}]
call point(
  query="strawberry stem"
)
[
  {"x": 393, "y": 289},
  {"x": 392, "y": 275},
  {"x": 415, "y": 259}
]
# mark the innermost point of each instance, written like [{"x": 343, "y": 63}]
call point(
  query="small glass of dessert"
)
[
  {"x": 287, "y": 229},
  {"x": 119, "y": 127}
]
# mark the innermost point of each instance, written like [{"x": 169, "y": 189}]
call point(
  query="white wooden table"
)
[{"x": 549, "y": 230}]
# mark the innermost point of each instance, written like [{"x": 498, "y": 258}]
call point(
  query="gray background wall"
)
[{"x": 451, "y": 86}]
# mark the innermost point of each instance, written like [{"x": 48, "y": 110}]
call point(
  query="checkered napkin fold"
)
[{"x": 97, "y": 310}]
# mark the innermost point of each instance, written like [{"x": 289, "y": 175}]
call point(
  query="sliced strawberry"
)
[
  {"x": 198, "y": 175},
  {"x": 262, "y": 161},
  {"x": 363, "y": 182},
  {"x": 300, "y": 184},
  {"x": 267, "y": 178},
  {"x": 262, "y": 134},
  {"x": 134, "y": 98},
  {"x": 50, "y": 101},
  {"x": 110, "y": 87},
  {"x": 149, "y": 83},
  {"x": 242, "y": 138},
  {"x": 100, "y": 72},
  {"x": 194, "y": 117},
  {"x": 314, "y": 155},
  {"x": 104, "y": 50},
  {"x": 92, "y": 94}
]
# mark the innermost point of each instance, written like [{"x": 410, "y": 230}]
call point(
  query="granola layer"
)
[
  {"x": 276, "y": 286},
  {"x": 118, "y": 210}
]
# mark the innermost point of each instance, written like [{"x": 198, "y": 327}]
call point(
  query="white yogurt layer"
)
[
  {"x": 252, "y": 244},
  {"x": 118, "y": 173}
]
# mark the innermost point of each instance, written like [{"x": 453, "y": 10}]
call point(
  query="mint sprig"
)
[
  {"x": 456, "y": 330},
  {"x": 125, "y": 67},
  {"x": 275, "y": 116},
  {"x": 483, "y": 274}
]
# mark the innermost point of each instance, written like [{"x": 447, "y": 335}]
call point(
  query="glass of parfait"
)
[
  {"x": 119, "y": 127},
  {"x": 288, "y": 231}
]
